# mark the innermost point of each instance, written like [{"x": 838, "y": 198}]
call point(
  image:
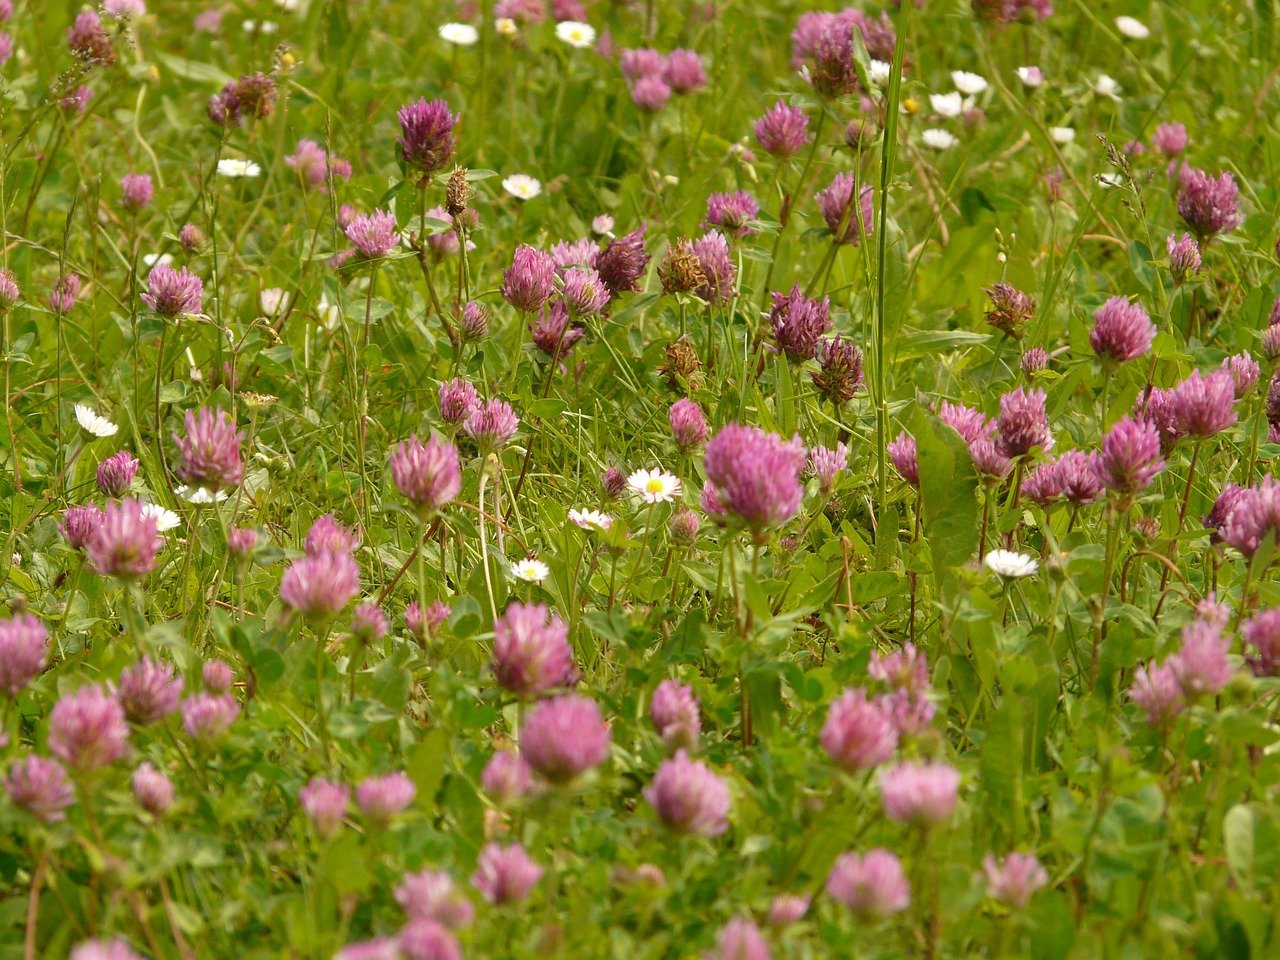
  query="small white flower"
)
[
  {"x": 576, "y": 34},
  {"x": 1132, "y": 28},
  {"x": 94, "y": 424},
  {"x": 1007, "y": 563},
  {"x": 200, "y": 495},
  {"x": 530, "y": 570},
  {"x": 230, "y": 167},
  {"x": 265, "y": 27},
  {"x": 587, "y": 519},
  {"x": 1030, "y": 76},
  {"x": 968, "y": 83},
  {"x": 156, "y": 259},
  {"x": 272, "y": 300},
  {"x": 1109, "y": 180},
  {"x": 506, "y": 27},
  {"x": 165, "y": 519},
  {"x": 602, "y": 225},
  {"x": 328, "y": 313},
  {"x": 1062, "y": 134},
  {"x": 654, "y": 486},
  {"x": 461, "y": 34},
  {"x": 947, "y": 104},
  {"x": 939, "y": 139},
  {"x": 880, "y": 71},
  {"x": 522, "y": 186},
  {"x": 1106, "y": 86}
]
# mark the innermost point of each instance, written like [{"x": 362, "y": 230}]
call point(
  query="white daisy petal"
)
[
  {"x": 1132, "y": 28},
  {"x": 947, "y": 104},
  {"x": 1062, "y": 135},
  {"x": 939, "y": 139},
  {"x": 459, "y": 34},
  {"x": 165, "y": 519},
  {"x": 654, "y": 486},
  {"x": 230, "y": 167},
  {"x": 522, "y": 186},
  {"x": 1009, "y": 564},
  {"x": 575, "y": 34},
  {"x": 97, "y": 425},
  {"x": 530, "y": 570},
  {"x": 591, "y": 519},
  {"x": 968, "y": 83}
]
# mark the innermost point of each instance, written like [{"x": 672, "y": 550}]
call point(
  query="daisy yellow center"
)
[{"x": 654, "y": 485}]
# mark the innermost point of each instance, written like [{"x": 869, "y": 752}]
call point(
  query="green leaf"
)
[
  {"x": 426, "y": 765},
  {"x": 949, "y": 489},
  {"x": 1237, "y": 842}
]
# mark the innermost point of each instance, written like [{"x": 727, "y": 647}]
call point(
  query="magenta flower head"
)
[
  {"x": 783, "y": 130},
  {"x": 315, "y": 166},
  {"x": 688, "y": 797},
  {"x": 650, "y": 94},
  {"x": 1158, "y": 693},
  {"x": 872, "y": 885},
  {"x": 622, "y": 263},
  {"x": 116, "y": 473},
  {"x": 421, "y": 626},
  {"x": 1023, "y": 423},
  {"x": 136, "y": 191},
  {"x": 530, "y": 280},
  {"x": 492, "y": 424},
  {"x": 683, "y": 526},
  {"x": 325, "y": 804},
  {"x": 786, "y": 909},
  {"x": 675, "y": 714},
  {"x": 858, "y": 735},
  {"x": 89, "y": 41},
  {"x": 326, "y": 534},
  {"x": 1078, "y": 478},
  {"x": 840, "y": 375},
  {"x": 1184, "y": 256},
  {"x": 902, "y": 452},
  {"x": 688, "y": 425},
  {"x": 206, "y": 717},
  {"x": 683, "y": 71},
  {"x": 798, "y": 323},
  {"x": 505, "y": 874},
  {"x": 124, "y": 541},
  {"x": 373, "y": 234},
  {"x": 1034, "y": 360},
  {"x": 431, "y": 895},
  {"x": 1121, "y": 331},
  {"x": 554, "y": 334},
  {"x": 1244, "y": 372},
  {"x": 988, "y": 461},
  {"x": 740, "y": 939},
  {"x": 379, "y": 948},
  {"x": 1013, "y": 880},
  {"x": 114, "y": 949},
  {"x": 251, "y": 97},
  {"x": 564, "y": 737},
  {"x": 381, "y": 798},
  {"x": 427, "y": 475},
  {"x": 718, "y": 270},
  {"x": 422, "y": 939},
  {"x": 1201, "y": 664},
  {"x": 87, "y": 729},
  {"x": 531, "y": 653},
  {"x": 971, "y": 424},
  {"x": 641, "y": 62},
  {"x": 148, "y": 691},
  {"x": 731, "y": 212},
  {"x": 919, "y": 792},
  {"x": 1209, "y": 205},
  {"x": 369, "y": 623},
  {"x": 1130, "y": 456},
  {"x": 65, "y": 293},
  {"x": 1170, "y": 139},
  {"x": 1205, "y": 406},
  {"x": 1216, "y": 518},
  {"x": 24, "y": 644},
  {"x": 217, "y": 676},
  {"x": 1262, "y": 643},
  {"x": 40, "y": 787},
  {"x": 506, "y": 778},
  {"x": 755, "y": 475},
  {"x": 152, "y": 789},
  {"x": 836, "y": 203},
  {"x": 319, "y": 585},
  {"x": 209, "y": 454},
  {"x": 827, "y": 464},
  {"x": 583, "y": 292},
  {"x": 192, "y": 239},
  {"x": 9, "y": 292},
  {"x": 474, "y": 325},
  {"x": 426, "y": 139}
]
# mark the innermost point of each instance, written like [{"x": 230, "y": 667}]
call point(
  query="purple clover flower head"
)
[
  {"x": 988, "y": 461},
  {"x": 919, "y": 792},
  {"x": 87, "y": 729},
  {"x": 902, "y": 452},
  {"x": 1184, "y": 256},
  {"x": 41, "y": 787},
  {"x": 506, "y": 778},
  {"x": 531, "y": 653},
  {"x": 1261, "y": 635},
  {"x": 1034, "y": 361},
  {"x": 325, "y": 804},
  {"x": 373, "y": 234},
  {"x": 172, "y": 293},
  {"x": 1122, "y": 331},
  {"x": 65, "y": 293},
  {"x": 315, "y": 166},
  {"x": 530, "y": 280},
  {"x": 971, "y": 424},
  {"x": 740, "y": 939},
  {"x": 782, "y": 130},
  {"x": 432, "y": 895},
  {"x": 152, "y": 789},
  {"x": 9, "y": 292},
  {"x": 836, "y": 205},
  {"x": 206, "y": 717},
  {"x": 564, "y": 737},
  {"x": 1209, "y": 205},
  {"x": 906, "y": 669},
  {"x": 872, "y": 885},
  {"x": 136, "y": 192},
  {"x": 840, "y": 375},
  {"x": 492, "y": 424},
  {"x": 786, "y": 909},
  {"x": 116, "y": 473},
  {"x": 380, "y": 799},
  {"x": 369, "y": 623},
  {"x": 217, "y": 676},
  {"x": 1023, "y": 423},
  {"x": 1013, "y": 880},
  {"x": 474, "y": 325},
  {"x": 712, "y": 251},
  {"x": 643, "y": 62},
  {"x": 192, "y": 239},
  {"x": 554, "y": 334},
  {"x": 1170, "y": 139},
  {"x": 614, "y": 482},
  {"x": 622, "y": 263},
  {"x": 857, "y": 734},
  {"x": 427, "y": 475},
  {"x": 426, "y": 139},
  {"x": 319, "y": 585},
  {"x": 1244, "y": 372},
  {"x": 798, "y": 323},
  {"x": 1160, "y": 409},
  {"x": 755, "y": 476},
  {"x": 650, "y": 94},
  {"x": 24, "y": 645},
  {"x": 1043, "y": 485},
  {"x": 422, "y": 627},
  {"x": 124, "y": 542},
  {"x": 576, "y": 253},
  {"x": 422, "y": 939},
  {"x": 1205, "y": 406},
  {"x": 675, "y": 714},
  {"x": 688, "y": 425},
  {"x": 1130, "y": 456},
  {"x": 731, "y": 212},
  {"x": 458, "y": 399},
  {"x": 326, "y": 534},
  {"x": 209, "y": 453},
  {"x": 1011, "y": 309},
  {"x": 113, "y": 949},
  {"x": 1079, "y": 478},
  {"x": 1156, "y": 690},
  {"x": 832, "y": 71},
  {"x": 379, "y": 948},
  {"x": 251, "y": 97},
  {"x": 88, "y": 40},
  {"x": 583, "y": 292},
  {"x": 1201, "y": 664},
  {"x": 688, "y": 797},
  {"x": 826, "y": 464},
  {"x": 505, "y": 874},
  {"x": 148, "y": 691},
  {"x": 683, "y": 72},
  {"x": 1216, "y": 518}
]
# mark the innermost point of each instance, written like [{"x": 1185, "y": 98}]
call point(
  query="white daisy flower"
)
[
  {"x": 1011, "y": 565},
  {"x": 94, "y": 424},
  {"x": 654, "y": 486},
  {"x": 199, "y": 495},
  {"x": 230, "y": 167},
  {"x": 156, "y": 259},
  {"x": 1062, "y": 135},
  {"x": 575, "y": 34},
  {"x": 880, "y": 71},
  {"x": 589, "y": 519},
  {"x": 1106, "y": 86},
  {"x": 530, "y": 570},
  {"x": 939, "y": 139},
  {"x": 522, "y": 186},
  {"x": 272, "y": 300},
  {"x": 947, "y": 104},
  {"x": 165, "y": 519},
  {"x": 1132, "y": 28},
  {"x": 1030, "y": 76},
  {"x": 968, "y": 83},
  {"x": 460, "y": 34},
  {"x": 506, "y": 27}
]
